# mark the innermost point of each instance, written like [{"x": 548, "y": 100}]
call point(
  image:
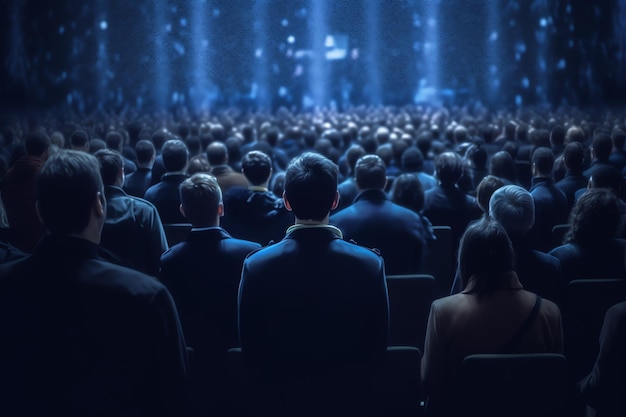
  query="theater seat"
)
[
  {"x": 439, "y": 261},
  {"x": 558, "y": 233},
  {"x": 176, "y": 232}
]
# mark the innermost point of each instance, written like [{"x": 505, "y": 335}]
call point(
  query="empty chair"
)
[
  {"x": 439, "y": 261},
  {"x": 176, "y": 232},
  {"x": 410, "y": 297},
  {"x": 531, "y": 384}
]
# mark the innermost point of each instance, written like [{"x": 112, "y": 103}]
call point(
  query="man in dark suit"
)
[
  {"x": 550, "y": 202},
  {"x": 138, "y": 182},
  {"x": 132, "y": 229},
  {"x": 574, "y": 180},
  {"x": 83, "y": 336},
  {"x": 254, "y": 212},
  {"x": 217, "y": 154},
  {"x": 374, "y": 221},
  {"x": 203, "y": 274},
  {"x": 164, "y": 194},
  {"x": 313, "y": 309},
  {"x": 446, "y": 204}
]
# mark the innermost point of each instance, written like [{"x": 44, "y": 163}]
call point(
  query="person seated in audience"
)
[
  {"x": 89, "y": 337},
  {"x": 313, "y": 309},
  {"x": 446, "y": 204},
  {"x": 114, "y": 140},
  {"x": 485, "y": 189},
  {"x": 95, "y": 145},
  {"x": 413, "y": 162},
  {"x": 591, "y": 249},
  {"x": 164, "y": 194},
  {"x": 348, "y": 189},
  {"x": 139, "y": 181},
  {"x": 217, "y": 154},
  {"x": 618, "y": 155},
  {"x": 202, "y": 273},
  {"x": 198, "y": 164},
  {"x": 79, "y": 141},
  {"x": 488, "y": 316},
  {"x": 374, "y": 221},
  {"x": 603, "y": 389},
  {"x": 550, "y": 202},
  {"x": 407, "y": 192},
  {"x": 502, "y": 165},
  {"x": 132, "y": 229},
  {"x": 255, "y": 213},
  {"x": 19, "y": 192},
  {"x": 574, "y": 180},
  {"x": 600, "y": 151},
  {"x": 513, "y": 207}
]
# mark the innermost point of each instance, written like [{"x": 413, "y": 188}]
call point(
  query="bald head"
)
[{"x": 217, "y": 153}]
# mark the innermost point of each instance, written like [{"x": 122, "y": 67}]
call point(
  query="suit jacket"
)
[
  {"x": 87, "y": 337},
  {"x": 312, "y": 307},
  {"x": 166, "y": 198},
  {"x": 599, "y": 260},
  {"x": 375, "y": 222},
  {"x": 446, "y": 205},
  {"x": 466, "y": 323},
  {"x": 604, "y": 387},
  {"x": 348, "y": 191},
  {"x": 138, "y": 182},
  {"x": 551, "y": 208},
  {"x": 570, "y": 184},
  {"x": 228, "y": 177},
  {"x": 133, "y": 231},
  {"x": 258, "y": 216}
]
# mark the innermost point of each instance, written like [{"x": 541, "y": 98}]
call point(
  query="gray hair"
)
[{"x": 514, "y": 208}]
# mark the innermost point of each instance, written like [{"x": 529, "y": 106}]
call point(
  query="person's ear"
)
[
  {"x": 335, "y": 201},
  {"x": 100, "y": 205},
  {"x": 182, "y": 210},
  {"x": 287, "y": 204},
  {"x": 220, "y": 209}
]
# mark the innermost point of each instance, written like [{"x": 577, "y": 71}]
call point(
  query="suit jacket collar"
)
[
  {"x": 373, "y": 195},
  {"x": 111, "y": 191},
  {"x": 537, "y": 181},
  {"x": 221, "y": 170},
  {"x": 318, "y": 232},
  {"x": 173, "y": 178},
  {"x": 213, "y": 233}
]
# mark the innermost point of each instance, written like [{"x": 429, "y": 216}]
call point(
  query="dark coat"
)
[
  {"x": 374, "y": 221},
  {"x": 551, "y": 208},
  {"x": 87, "y": 337},
  {"x": 599, "y": 260},
  {"x": 138, "y": 182},
  {"x": 166, "y": 198},
  {"x": 570, "y": 184}
]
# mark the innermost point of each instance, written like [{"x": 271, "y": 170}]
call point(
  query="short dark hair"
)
[
  {"x": 619, "y": 138},
  {"x": 370, "y": 172},
  {"x": 200, "y": 196},
  {"x": 257, "y": 167},
  {"x": 574, "y": 157},
  {"x": 79, "y": 138},
  {"x": 114, "y": 140},
  {"x": 67, "y": 185},
  {"x": 110, "y": 162},
  {"x": 543, "y": 159},
  {"x": 408, "y": 191},
  {"x": 449, "y": 168},
  {"x": 602, "y": 145},
  {"x": 197, "y": 164},
  {"x": 311, "y": 186},
  {"x": 174, "y": 155},
  {"x": 485, "y": 189},
  {"x": 217, "y": 153},
  {"x": 145, "y": 151},
  {"x": 412, "y": 160},
  {"x": 486, "y": 254},
  {"x": 37, "y": 142},
  {"x": 353, "y": 154}
]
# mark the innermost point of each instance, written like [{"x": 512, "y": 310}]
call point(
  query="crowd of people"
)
[{"x": 295, "y": 220}]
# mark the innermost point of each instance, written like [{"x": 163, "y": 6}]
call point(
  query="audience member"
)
[
  {"x": 132, "y": 229},
  {"x": 203, "y": 274},
  {"x": 488, "y": 316},
  {"x": 217, "y": 154},
  {"x": 19, "y": 192},
  {"x": 139, "y": 181},
  {"x": 164, "y": 195},
  {"x": 348, "y": 189},
  {"x": 114, "y": 140},
  {"x": 600, "y": 150},
  {"x": 79, "y": 141},
  {"x": 91, "y": 337},
  {"x": 574, "y": 180},
  {"x": 485, "y": 190},
  {"x": 313, "y": 309},
  {"x": 374, "y": 221},
  {"x": 413, "y": 162},
  {"x": 255, "y": 213},
  {"x": 618, "y": 156},
  {"x": 407, "y": 192},
  {"x": 503, "y": 166}
]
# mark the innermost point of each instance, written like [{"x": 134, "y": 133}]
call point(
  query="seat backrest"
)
[
  {"x": 533, "y": 384},
  {"x": 176, "y": 232},
  {"x": 439, "y": 261},
  {"x": 586, "y": 303},
  {"x": 410, "y": 297},
  {"x": 558, "y": 233},
  {"x": 397, "y": 385}
]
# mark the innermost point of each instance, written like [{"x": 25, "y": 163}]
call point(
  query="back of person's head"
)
[
  {"x": 606, "y": 177},
  {"x": 557, "y": 136},
  {"x": 159, "y": 137},
  {"x": 79, "y": 139},
  {"x": 449, "y": 168},
  {"x": 110, "y": 163},
  {"x": 594, "y": 217},
  {"x": 514, "y": 208},
  {"x": 175, "y": 155},
  {"x": 509, "y": 130},
  {"x": 217, "y": 153},
  {"x": 257, "y": 167},
  {"x": 353, "y": 154},
  {"x": 574, "y": 157},
  {"x": 145, "y": 152},
  {"x": 511, "y": 148},
  {"x": 412, "y": 160},
  {"x": 543, "y": 161},
  {"x": 602, "y": 146},
  {"x": 68, "y": 185},
  {"x": 96, "y": 144},
  {"x": 385, "y": 152},
  {"x": 57, "y": 139},
  {"x": 194, "y": 145},
  {"x": 197, "y": 164},
  {"x": 485, "y": 256},
  {"x": 619, "y": 138},
  {"x": 200, "y": 197},
  {"x": 311, "y": 186},
  {"x": 484, "y": 190},
  {"x": 114, "y": 140},
  {"x": 460, "y": 134},
  {"x": 424, "y": 143},
  {"x": 37, "y": 142},
  {"x": 574, "y": 134},
  {"x": 370, "y": 172},
  {"x": 478, "y": 156},
  {"x": 407, "y": 191}
]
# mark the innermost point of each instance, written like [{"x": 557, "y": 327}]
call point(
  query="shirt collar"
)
[{"x": 334, "y": 230}]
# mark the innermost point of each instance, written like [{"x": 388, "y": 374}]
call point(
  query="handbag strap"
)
[{"x": 524, "y": 328}]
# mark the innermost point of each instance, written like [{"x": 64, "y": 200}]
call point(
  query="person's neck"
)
[{"x": 311, "y": 222}]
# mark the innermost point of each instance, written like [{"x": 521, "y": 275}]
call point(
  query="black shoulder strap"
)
[{"x": 521, "y": 332}]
